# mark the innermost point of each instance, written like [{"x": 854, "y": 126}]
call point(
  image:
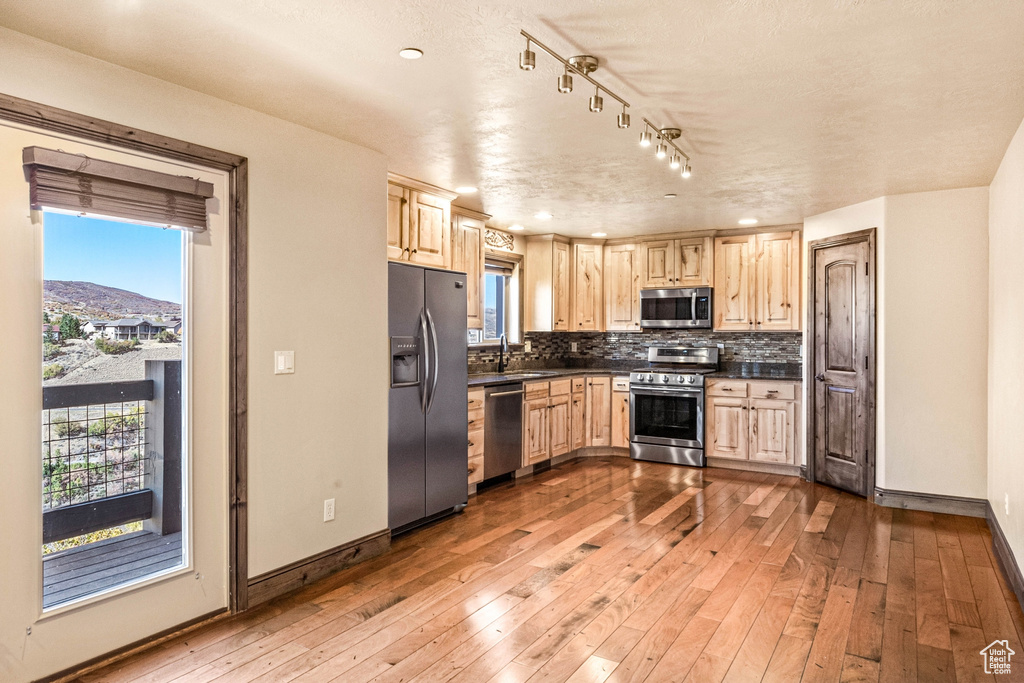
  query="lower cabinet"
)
[
  {"x": 476, "y": 436},
  {"x": 620, "y": 412},
  {"x": 754, "y": 421},
  {"x": 547, "y": 420},
  {"x": 578, "y": 414},
  {"x": 598, "y": 410}
]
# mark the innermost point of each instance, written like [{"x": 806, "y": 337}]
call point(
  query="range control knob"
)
[
  {"x": 665, "y": 378},
  {"x": 650, "y": 378},
  {"x": 691, "y": 379},
  {"x": 682, "y": 379}
]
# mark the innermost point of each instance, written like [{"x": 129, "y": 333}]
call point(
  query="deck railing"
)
[{"x": 112, "y": 454}]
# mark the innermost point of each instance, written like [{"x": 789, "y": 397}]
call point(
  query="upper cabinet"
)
[
  {"x": 587, "y": 264},
  {"x": 468, "y": 257},
  {"x": 677, "y": 263},
  {"x": 419, "y": 222},
  {"x": 621, "y": 287},
  {"x": 757, "y": 282},
  {"x": 547, "y": 272}
]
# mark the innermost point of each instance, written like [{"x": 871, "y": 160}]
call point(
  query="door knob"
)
[{"x": 820, "y": 377}]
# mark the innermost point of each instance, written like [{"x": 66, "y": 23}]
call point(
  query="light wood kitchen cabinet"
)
[
  {"x": 547, "y": 284},
  {"x": 468, "y": 257},
  {"x": 578, "y": 418},
  {"x": 419, "y": 222},
  {"x": 756, "y": 282},
  {"x": 587, "y": 268},
  {"x": 620, "y": 412},
  {"x": 622, "y": 287},
  {"x": 598, "y": 411},
  {"x": 559, "y": 425},
  {"x": 677, "y": 263},
  {"x": 547, "y": 420},
  {"x": 475, "y": 433},
  {"x": 535, "y": 427},
  {"x": 755, "y": 421}
]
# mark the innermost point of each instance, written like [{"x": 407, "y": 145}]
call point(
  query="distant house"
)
[
  {"x": 93, "y": 326},
  {"x": 133, "y": 328},
  {"x": 52, "y": 330}
]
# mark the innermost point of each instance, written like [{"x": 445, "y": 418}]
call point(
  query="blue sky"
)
[{"x": 138, "y": 258}]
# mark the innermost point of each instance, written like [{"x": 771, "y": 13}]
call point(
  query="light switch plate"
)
[
  {"x": 574, "y": 346},
  {"x": 284, "y": 362},
  {"x": 527, "y": 346}
]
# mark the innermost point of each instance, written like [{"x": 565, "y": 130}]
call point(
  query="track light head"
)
[
  {"x": 527, "y": 58},
  {"x": 623, "y": 119},
  {"x": 565, "y": 82},
  {"x": 686, "y": 170},
  {"x": 596, "y": 102},
  {"x": 674, "y": 162},
  {"x": 662, "y": 150},
  {"x": 645, "y": 137}
]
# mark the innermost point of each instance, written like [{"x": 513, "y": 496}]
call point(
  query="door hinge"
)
[
  {"x": 866, "y": 268},
  {"x": 865, "y": 362}
]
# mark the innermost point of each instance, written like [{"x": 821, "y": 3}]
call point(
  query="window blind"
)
[{"x": 77, "y": 183}]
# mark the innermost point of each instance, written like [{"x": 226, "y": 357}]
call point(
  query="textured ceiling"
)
[{"x": 788, "y": 107}]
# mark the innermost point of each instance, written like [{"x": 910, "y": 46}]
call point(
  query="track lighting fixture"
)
[
  {"x": 527, "y": 58},
  {"x": 565, "y": 82},
  {"x": 583, "y": 66}
]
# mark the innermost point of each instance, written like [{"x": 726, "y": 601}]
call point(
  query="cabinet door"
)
[
  {"x": 579, "y": 425},
  {"x": 622, "y": 288},
  {"x": 468, "y": 256},
  {"x": 599, "y": 411},
  {"x": 559, "y": 425},
  {"x": 429, "y": 230},
  {"x": 734, "y": 283},
  {"x": 777, "y": 277},
  {"x": 772, "y": 430},
  {"x": 535, "y": 431},
  {"x": 658, "y": 259},
  {"x": 728, "y": 436},
  {"x": 560, "y": 287},
  {"x": 620, "y": 419},
  {"x": 694, "y": 263},
  {"x": 587, "y": 287},
  {"x": 398, "y": 223}
]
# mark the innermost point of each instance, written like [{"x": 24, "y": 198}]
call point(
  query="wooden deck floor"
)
[
  {"x": 612, "y": 570},
  {"x": 70, "y": 574}
]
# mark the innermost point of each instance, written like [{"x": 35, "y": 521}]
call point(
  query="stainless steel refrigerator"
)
[{"x": 427, "y": 407}]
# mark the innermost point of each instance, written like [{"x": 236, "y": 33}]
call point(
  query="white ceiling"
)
[{"x": 788, "y": 107}]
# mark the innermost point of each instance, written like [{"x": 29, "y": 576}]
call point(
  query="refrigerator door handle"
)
[
  {"x": 437, "y": 359},
  {"x": 426, "y": 363}
]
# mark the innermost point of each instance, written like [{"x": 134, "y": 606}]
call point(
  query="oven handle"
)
[{"x": 654, "y": 391}]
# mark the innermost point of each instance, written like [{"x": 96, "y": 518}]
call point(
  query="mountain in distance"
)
[{"x": 91, "y": 300}]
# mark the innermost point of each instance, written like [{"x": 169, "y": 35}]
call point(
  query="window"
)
[{"x": 500, "y": 300}]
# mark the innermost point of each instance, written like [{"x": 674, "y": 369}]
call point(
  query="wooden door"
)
[
  {"x": 599, "y": 411},
  {"x": 694, "y": 262},
  {"x": 586, "y": 293},
  {"x": 734, "y": 283},
  {"x": 578, "y": 416},
  {"x": 559, "y": 425},
  {"x": 468, "y": 256},
  {"x": 658, "y": 263},
  {"x": 622, "y": 288},
  {"x": 777, "y": 287},
  {"x": 620, "y": 419},
  {"x": 398, "y": 222},
  {"x": 429, "y": 226},
  {"x": 843, "y": 414},
  {"x": 772, "y": 426},
  {"x": 728, "y": 435},
  {"x": 535, "y": 428},
  {"x": 560, "y": 266}
]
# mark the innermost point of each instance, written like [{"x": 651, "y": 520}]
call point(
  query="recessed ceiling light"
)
[
  {"x": 542, "y": 216},
  {"x": 516, "y": 227},
  {"x": 410, "y": 53},
  {"x": 598, "y": 234},
  {"x": 466, "y": 189},
  {"x": 670, "y": 195},
  {"x": 748, "y": 221}
]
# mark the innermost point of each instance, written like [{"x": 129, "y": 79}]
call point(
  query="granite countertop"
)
[
  {"x": 786, "y": 371},
  {"x": 780, "y": 371}
]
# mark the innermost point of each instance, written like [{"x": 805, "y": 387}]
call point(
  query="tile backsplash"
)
[{"x": 554, "y": 348}]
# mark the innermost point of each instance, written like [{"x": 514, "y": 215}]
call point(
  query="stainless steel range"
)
[{"x": 666, "y": 405}]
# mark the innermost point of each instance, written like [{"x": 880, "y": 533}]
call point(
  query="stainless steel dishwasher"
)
[{"x": 503, "y": 429}]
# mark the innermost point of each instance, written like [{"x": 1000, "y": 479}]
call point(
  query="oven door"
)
[{"x": 667, "y": 416}]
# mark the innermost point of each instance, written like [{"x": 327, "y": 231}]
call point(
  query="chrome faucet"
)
[{"x": 502, "y": 350}]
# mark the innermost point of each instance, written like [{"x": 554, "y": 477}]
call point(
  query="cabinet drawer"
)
[
  {"x": 535, "y": 390},
  {"x": 620, "y": 383},
  {"x": 727, "y": 387},
  {"x": 561, "y": 387},
  {"x": 578, "y": 384},
  {"x": 476, "y": 419},
  {"x": 781, "y": 390},
  {"x": 476, "y": 443},
  {"x": 476, "y": 469},
  {"x": 476, "y": 400}
]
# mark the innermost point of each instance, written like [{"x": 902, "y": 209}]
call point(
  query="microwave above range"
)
[{"x": 675, "y": 308}]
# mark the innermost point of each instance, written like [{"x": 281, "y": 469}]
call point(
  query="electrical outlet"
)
[
  {"x": 1006, "y": 503},
  {"x": 527, "y": 346},
  {"x": 721, "y": 346},
  {"x": 329, "y": 510},
  {"x": 574, "y": 346}
]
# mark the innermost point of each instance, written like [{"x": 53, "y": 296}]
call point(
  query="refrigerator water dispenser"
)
[{"x": 405, "y": 361}]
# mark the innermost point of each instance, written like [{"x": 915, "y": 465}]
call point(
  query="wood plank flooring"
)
[{"x": 613, "y": 571}]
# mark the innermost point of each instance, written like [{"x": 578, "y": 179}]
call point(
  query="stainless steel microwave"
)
[{"x": 675, "y": 308}]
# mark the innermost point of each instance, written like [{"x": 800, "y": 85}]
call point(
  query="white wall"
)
[
  {"x": 931, "y": 270},
  {"x": 1006, "y": 343},
  {"x": 317, "y": 285}
]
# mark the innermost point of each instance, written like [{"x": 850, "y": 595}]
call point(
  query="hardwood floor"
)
[{"x": 609, "y": 570}]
